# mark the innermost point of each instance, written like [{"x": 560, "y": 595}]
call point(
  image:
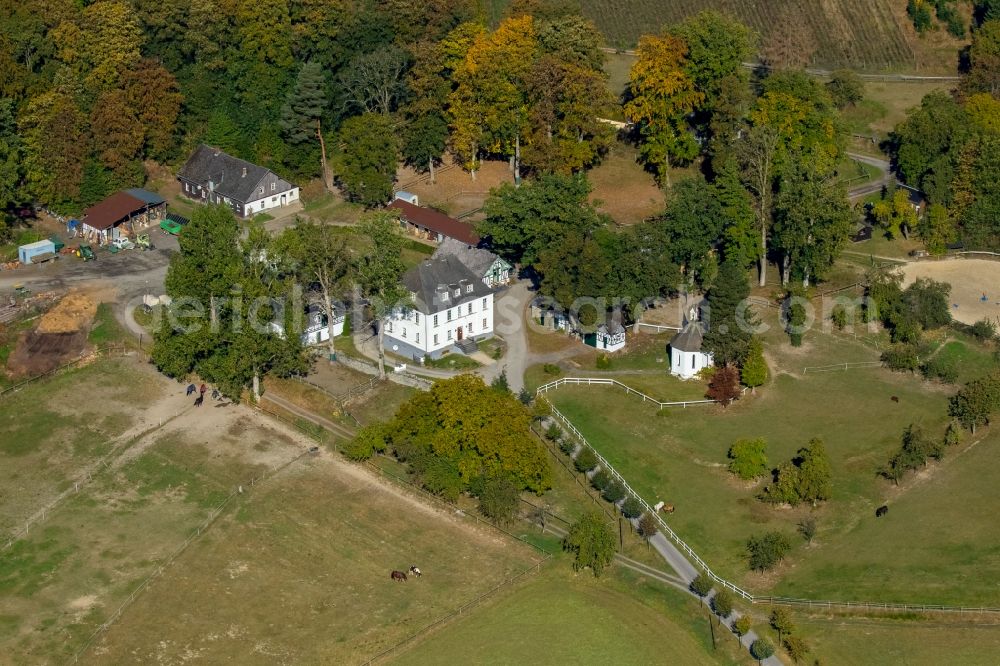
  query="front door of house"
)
[{"x": 459, "y": 331}]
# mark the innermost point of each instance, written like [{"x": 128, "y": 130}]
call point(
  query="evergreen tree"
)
[
  {"x": 730, "y": 320},
  {"x": 754, "y": 371}
]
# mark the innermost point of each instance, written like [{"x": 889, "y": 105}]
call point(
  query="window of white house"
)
[
  {"x": 470, "y": 308},
  {"x": 449, "y": 315},
  {"x": 273, "y": 199},
  {"x": 449, "y": 334},
  {"x": 416, "y": 317},
  {"x": 274, "y": 186},
  {"x": 262, "y": 189},
  {"x": 484, "y": 304},
  {"x": 435, "y": 320},
  {"x": 468, "y": 327},
  {"x": 435, "y": 338},
  {"x": 484, "y": 324},
  {"x": 458, "y": 292},
  {"x": 418, "y": 337},
  {"x": 468, "y": 289}
]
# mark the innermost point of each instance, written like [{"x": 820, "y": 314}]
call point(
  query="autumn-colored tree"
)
[
  {"x": 155, "y": 98},
  {"x": 984, "y": 60},
  {"x": 101, "y": 44},
  {"x": 53, "y": 130},
  {"x": 118, "y": 135},
  {"x": 725, "y": 385},
  {"x": 896, "y": 215},
  {"x": 661, "y": 95},
  {"x": 489, "y": 105}
]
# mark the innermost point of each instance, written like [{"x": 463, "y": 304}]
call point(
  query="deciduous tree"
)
[
  {"x": 368, "y": 161},
  {"x": 748, "y": 458},
  {"x": 379, "y": 271},
  {"x": 593, "y": 542}
]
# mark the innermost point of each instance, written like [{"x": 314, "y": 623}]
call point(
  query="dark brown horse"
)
[{"x": 398, "y": 575}]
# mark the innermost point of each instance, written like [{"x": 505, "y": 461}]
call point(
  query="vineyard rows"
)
[{"x": 861, "y": 34}]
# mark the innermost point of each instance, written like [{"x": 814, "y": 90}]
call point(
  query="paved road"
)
[{"x": 870, "y": 188}]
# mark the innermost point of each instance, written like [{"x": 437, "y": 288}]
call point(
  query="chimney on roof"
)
[{"x": 244, "y": 172}]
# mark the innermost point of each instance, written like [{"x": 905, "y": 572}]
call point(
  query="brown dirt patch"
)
[
  {"x": 454, "y": 190},
  {"x": 623, "y": 189},
  {"x": 970, "y": 280},
  {"x": 37, "y": 353},
  {"x": 73, "y": 313}
]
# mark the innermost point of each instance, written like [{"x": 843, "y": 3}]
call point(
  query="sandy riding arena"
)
[{"x": 971, "y": 280}]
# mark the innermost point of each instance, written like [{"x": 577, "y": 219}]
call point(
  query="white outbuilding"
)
[{"x": 686, "y": 357}]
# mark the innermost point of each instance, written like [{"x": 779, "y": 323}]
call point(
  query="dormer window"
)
[
  {"x": 458, "y": 292},
  {"x": 444, "y": 295},
  {"x": 468, "y": 289}
]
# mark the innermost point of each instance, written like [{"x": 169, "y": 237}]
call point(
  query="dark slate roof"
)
[
  {"x": 435, "y": 221},
  {"x": 690, "y": 337},
  {"x": 476, "y": 259},
  {"x": 428, "y": 278},
  {"x": 112, "y": 210},
  {"x": 151, "y": 198},
  {"x": 224, "y": 171},
  {"x": 612, "y": 328}
]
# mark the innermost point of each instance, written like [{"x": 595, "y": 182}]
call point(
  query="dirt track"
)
[{"x": 970, "y": 280}]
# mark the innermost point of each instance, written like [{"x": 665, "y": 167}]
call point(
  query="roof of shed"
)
[
  {"x": 435, "y": 221},
  {"x": 112, "y": 210}
]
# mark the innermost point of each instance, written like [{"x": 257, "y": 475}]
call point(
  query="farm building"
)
[
  {"x": 608, "y": 337},
  {"x": 686, "y": 357},
  {"x": 37, "y": 252},
  {"x": 122, "y": 214},
  {"x": 490, "y": 268},
  {"x": 451, "y": 309},
  {"x": 431, "y": 225},
  {"x": 213, "y": 176},
  {"x": 315, "y": 330}
]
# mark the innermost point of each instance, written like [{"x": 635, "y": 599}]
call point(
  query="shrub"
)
[
  {"x": 631, "y": 507},
  {"x": 940, "y": 368},
  {"x": 442, "y": 477},
  {"x": 796, "y": 648},
  {"x": 952, "y": 434},
  {"x": 567, "y": 446},
  {"x": 600, "y": 480},
  {"x": 585, "y": 460},
  {"x": 551, "y": 369},
  {"x": 614, "y": 492},
  {"x": 761, "y": 649},
  {"x": 839, "y": 317},
  {"x": 648, "y": 527},
  {"x": 603, "y": 362},
  {"x": 702, "y": 585},
  {"x": 767, "y": 550},
  {"x": 742, "y": 625},
  {"x": 754, "y": 370},
  {"x": 984, "y": 329},
  {"x": 913, "y": 453},
  {"x": 524, "y": 396},
  {"x": 901, "y": 357},
  {"x": 498, "y": 499},
  {"x": 796, "y": 323},
  {"x": 807, "y": 528},
  {"x": 804, "y": 478},
  {"x": 747, "y": 459},
  {"x": 369, "y": 441},
  {"x": 782, "y": 622},
  {"x": 593, "y": 542},
  {"x": 553, "y": 433},
  {"x": 722, "y": 603}
]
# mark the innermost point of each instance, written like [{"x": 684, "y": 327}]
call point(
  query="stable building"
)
[
  {"x": 214, "y": 177},
  {"x": 429, "y": 224},
  {"x": 451, "y": 310}
]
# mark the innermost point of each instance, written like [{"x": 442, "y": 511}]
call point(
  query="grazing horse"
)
[
  {"x": 200, "y": 399},
  {"x": 894, "y": 398},
  {"x": 881, "y": 511},
  {"x": 190, "y": 389},
  {"x": 398, "y": 575},
  {"x": 667, "y": 508},
  {"x": 415, "y": 571}
]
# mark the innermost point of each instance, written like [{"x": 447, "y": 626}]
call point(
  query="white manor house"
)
[{"x": 451, "y": 309}]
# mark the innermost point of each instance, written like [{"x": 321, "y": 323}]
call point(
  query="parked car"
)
[{"x": 121, "y": 243}]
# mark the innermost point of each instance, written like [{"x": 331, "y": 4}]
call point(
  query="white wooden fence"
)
[{"x": 600, "y": 381}]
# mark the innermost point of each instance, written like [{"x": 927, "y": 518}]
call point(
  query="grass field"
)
[
  {"x": 564, "y": 618},
  {"x": 298, "y": 572},
  {"x": 920, "y": 553}
]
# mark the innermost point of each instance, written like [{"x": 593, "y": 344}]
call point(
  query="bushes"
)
[
  {"x": 632, "y": 508},
  {"x": 553, "y": 433},
  {"x": 984, "y": 330},
  {"x": 747, "y": 459},
  {"x": 766, "y": 550},
  {"x": 941, "y": 368},
  {"x": 603, "y": 362},
  {"x": 498, "y": 497},
  {"x": 761, "y": 649},
  {"x": 593, "y": 542},
  {"x": 585, "y": 460},
  {"x": 614, "y": 492},
  {"x": 839, "y": 317},
  {"x": 722, "y": 603},
  {"x": 914, "y": 452},
  {"x": 648, "y": 526},
  {"x": 805, "y": 478},
  {"x": 567, "y": 446},
  {"x": 702, "y": 585},
  {"x": 901, "y": 357},
  {"x": 552, "y": 369},
  {"x": 369, "y": 441},
  {"x": 600, "y": 480},
  {"x": 725, "y": 385},
  {"x": 742, "y": 625}
]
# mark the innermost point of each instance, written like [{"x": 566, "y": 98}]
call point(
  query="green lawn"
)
[
  {"x": 968, "y": 357},
  {"x": 106, "y": 330},
  {"x": 936, "y": 540},
  {"x": 561, "y": 618}
]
